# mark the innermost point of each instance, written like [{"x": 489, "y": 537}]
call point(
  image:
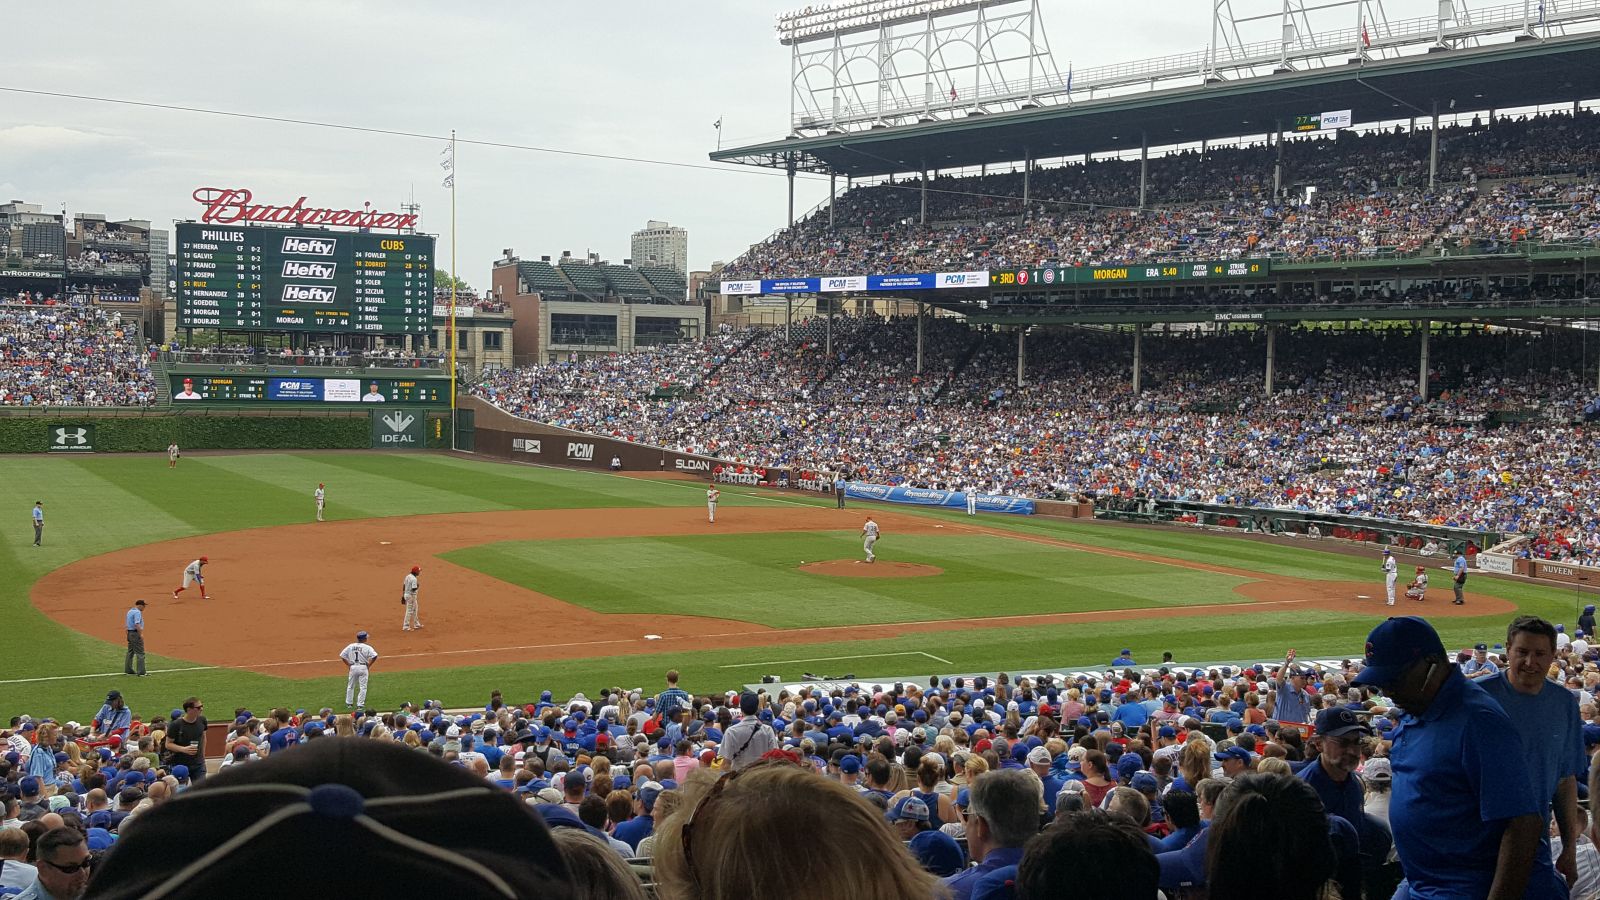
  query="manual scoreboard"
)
[{"x": 303, "y": 279}]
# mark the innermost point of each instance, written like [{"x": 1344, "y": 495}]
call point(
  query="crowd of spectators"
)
[
  {"x": 60, "y": 353},
  {"x": 1371, "y": 196},
  {"x": 1499, "y": 444},
  {"x": 1222, "y": 780}
]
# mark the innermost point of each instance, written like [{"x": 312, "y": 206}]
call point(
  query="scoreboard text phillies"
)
[{"x": 252, "y": 278}]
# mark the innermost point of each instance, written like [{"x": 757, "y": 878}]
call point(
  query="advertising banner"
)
[
  {"x": 306, "y": 389},
  {"x": 901, "y": 282},
  {"x": 71, "y": 439},
  {"x": 862, "y": 490}
]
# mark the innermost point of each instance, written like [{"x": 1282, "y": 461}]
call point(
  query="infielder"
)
[
  {"x": 359, "y": 656},
  {"x": 322, "y": 496},
  {"x": 972, "y": 500},
  {"x": 869, "y": 533},
  {"x": 1418, "y": 589},
  {"x": 172, "y": 455},
  {"x": 191, "y": 575},
  {"x": 712, "y": 496},
  {"x": 408, "y": 596},
  {"x": 1391, "y": 571}
]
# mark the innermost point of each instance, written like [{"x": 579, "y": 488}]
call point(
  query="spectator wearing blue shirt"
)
[
  {"x": 1332, "y": 775},
  {"x": 1464, "y": 812},
  {"x": 1124, "y": 659},
  {"x": 1480, "y": 666},
  {"x": 114, "y": 718},
  {"x": 1002, "y": 814},
  {"x": 1546, "y": 717},
  {"x": 674, "y": 698},
  {"x": 1289, "y": 701}
]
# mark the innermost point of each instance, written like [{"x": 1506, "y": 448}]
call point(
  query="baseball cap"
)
[
  {"x": 1394, "y": 645},
  {"x": 1591, "y": 735},
  {"x": 29, "y": 785},
  {"x": 1378, "y": 769},
  {"x": 909, "y": 808},
  {"x": 1145, "y": 782},
  {"x": 850, "y": 765},
  {"x": 180, "y": 772},
  {"x": 648, "y": 792},
  {"x": 361, "y": 635},
  {"x": 1238, "y": 753},
  {"x": 1166, "y": 731},
  {"x": 1340, "y": 721},
  {"x": 938, "y": 853},
  {"x": 1482, "y": 647},
  {"x": 1038, "y": 756}
]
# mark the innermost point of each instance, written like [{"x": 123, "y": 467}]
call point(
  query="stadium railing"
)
[
  {"x": 275, "y": 363},
  {"x": 1297, "y": 523}
]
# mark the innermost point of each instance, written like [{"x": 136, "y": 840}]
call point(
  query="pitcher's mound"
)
[{"x": 855, "y": 568}]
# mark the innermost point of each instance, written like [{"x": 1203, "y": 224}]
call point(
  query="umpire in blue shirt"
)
[
  {"x": 1465, "y": 814},
  {"x": 135, "y": 624}
]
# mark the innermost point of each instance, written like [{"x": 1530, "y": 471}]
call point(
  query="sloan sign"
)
[{"x": 226, "y": 206}]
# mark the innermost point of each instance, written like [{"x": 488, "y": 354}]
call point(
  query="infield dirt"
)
[{"x": 288, "y": 592}]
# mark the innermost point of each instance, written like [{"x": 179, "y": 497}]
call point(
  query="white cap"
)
[
  {"x": 453, "y": 731},
  {"x": 1038, "y": 756}
]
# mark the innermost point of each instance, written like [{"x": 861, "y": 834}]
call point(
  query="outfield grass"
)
[
  {"x": 95, "y": 504},
  {"x": 753, "y": 578}
]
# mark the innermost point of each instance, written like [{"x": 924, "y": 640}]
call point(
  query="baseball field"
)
[{"x": 536, "y": 578}]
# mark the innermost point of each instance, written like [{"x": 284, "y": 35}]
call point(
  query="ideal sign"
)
[{"x": 397, "y": 430}]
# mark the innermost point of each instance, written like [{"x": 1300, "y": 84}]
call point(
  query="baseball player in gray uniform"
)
[
  {"x": 359, "y": 656},
  {"x": 191, "y": 575},
  {"x": 322, "y": 499},
  {"x": 712, "y": 496},
  {"x": 869, "y": 534},
  {"x": 408, "y": 596}
]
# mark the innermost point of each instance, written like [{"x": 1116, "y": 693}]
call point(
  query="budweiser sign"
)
[{"x": 226, "y": 206}]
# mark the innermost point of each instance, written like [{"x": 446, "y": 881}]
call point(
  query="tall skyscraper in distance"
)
[{"x": 661, "y": 244}]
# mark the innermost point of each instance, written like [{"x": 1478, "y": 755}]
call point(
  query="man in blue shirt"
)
[
  {"x": 1332, "y": 775},
  {"x": 1002, "y": 814},
  {"x": 674, "y": 698},
  {"x": 1290, "y": 700},
  {"x": 1124, "y": 659},
  {"x": 1480, "y": 666},
  {"x": 1458, "y": 578},
  {"x": 1546, "y": 716},
  {"x": 114, "y": 718},
  {"x": 134, "y": 621},
  {"x": 1464, "y": 813}
]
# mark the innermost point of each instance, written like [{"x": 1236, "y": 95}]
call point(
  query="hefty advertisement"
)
[
  {"x": 308, "y": 389},
  {"x": 862, "y": 490}
]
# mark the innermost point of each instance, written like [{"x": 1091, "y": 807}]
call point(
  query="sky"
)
[{"x": 623, "y": 77}]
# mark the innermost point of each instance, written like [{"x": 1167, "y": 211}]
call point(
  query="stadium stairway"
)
[
  {"x": 158, "y": 371},
  {"x": 955, "y": 370},
  {"x": 712, "y": 372}
]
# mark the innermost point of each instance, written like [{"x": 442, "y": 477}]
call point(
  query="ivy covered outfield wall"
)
[{"x": 151, "y": 431}]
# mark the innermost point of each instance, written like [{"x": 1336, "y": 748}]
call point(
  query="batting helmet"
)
[
  {"x": 416, "y": 570},
  {"x": 205, "y": 559}
]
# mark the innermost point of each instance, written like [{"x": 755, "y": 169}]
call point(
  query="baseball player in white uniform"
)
[
  {"x": 869, "y": 533},
  {"x": 1391, "y": 571},
  {"x": 972, "y": 500},
  {"x": 172, "y": 455},
  {"x": 191, "y": 575},
  {"x": 408, "y": 596},
  {"x": 359, "y": 656},
  {"x": 322, "y": 497},
  {"x": 712, "y": 496}
]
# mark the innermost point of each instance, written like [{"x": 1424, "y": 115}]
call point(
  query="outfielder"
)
[
  {"x": 1391, "y": 572},
  {"x": 1419, "y": 585},
  {"x": 191, "y": 575},
  {"x": 712, "y": 496},
  {"x": 172, "y": 455},
  {"x": 408, "y": 596},
  {"x": 972, "y": 500},
  {"x": 869, "y": 533},
  {"x": 359, "y": 656},
  {"x": 322, "y": 496}
]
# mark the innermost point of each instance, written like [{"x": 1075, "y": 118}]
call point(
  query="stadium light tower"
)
[{"x": 876, "y": 63}]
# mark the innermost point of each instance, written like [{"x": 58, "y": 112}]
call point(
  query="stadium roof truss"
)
[{"x": 1535, "y": 67}]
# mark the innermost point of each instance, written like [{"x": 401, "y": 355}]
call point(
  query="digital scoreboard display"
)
[
  {"x": 201, "y": 389},
  {"x": 303, "y": 279},
  {"x": 1089, "y": 275}
]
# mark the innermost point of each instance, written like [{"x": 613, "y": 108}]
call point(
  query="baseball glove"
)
[{"x": 402, "y": 601}]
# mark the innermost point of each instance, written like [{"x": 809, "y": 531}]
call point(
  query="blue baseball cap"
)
[
  {"x": 1394, "y": 646},
  {"x": 1145, "y": 782},
  {"x": 1340, "y": 721},
  {"x": 180, "y": 772},
  {"x": 1166, "y": 731},
  {"x": 1238, "y": 753},
  {"x": 963, "y": 797},
  {"x": 1591, "y": 735},
  {"x": 850, "y": 765}
]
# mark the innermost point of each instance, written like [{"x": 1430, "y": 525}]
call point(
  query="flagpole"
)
[{"x": 453, "y": 283}]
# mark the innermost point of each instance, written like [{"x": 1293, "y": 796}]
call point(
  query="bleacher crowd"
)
[
  {"x": 1372, "y": 197},
  {"x": 61, "y": 353},
  {"x": 1303, "y": 780}
]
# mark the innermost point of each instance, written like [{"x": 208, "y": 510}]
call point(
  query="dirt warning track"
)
[{"x": 286, "y": 599}]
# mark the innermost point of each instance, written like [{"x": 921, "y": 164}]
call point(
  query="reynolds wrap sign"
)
[{"x": 862, "y": 490}]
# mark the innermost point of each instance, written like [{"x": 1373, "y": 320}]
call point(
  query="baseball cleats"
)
[
  {"x": 174, "y": 595},
  {"x": 405, "y": 628}
]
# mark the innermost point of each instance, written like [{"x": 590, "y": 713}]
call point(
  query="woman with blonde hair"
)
[
  {"x": 720, "y": 844},
  {"x": 411, "y": 740},
  {"x": 1194, "y": 763},
  {"x": 1272, "y": 765},
  {"x": 344, "y": 726}
]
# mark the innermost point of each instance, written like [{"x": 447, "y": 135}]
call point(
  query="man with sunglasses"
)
[
  {"x": 64, "y": 864},
  {"x": 186, "y": 741}
]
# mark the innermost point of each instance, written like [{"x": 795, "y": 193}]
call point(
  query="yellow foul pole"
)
[{"x": 452, "y": 333}]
